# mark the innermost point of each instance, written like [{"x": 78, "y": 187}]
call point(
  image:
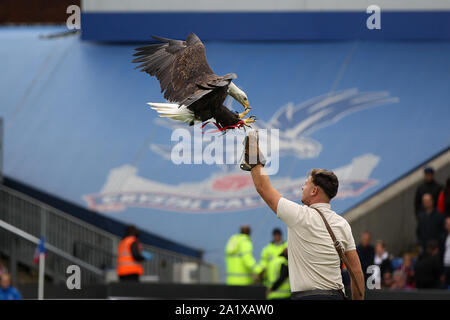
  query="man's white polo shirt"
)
[{"x": 313, "y": 260}]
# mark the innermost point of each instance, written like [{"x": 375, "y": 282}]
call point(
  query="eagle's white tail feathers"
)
[{"x": 172, "y": 111}]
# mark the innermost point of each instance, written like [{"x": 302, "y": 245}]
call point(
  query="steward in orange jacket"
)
[{"x": 129, "y": 256}]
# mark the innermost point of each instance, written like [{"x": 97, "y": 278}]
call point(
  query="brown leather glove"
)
[{"x": 252, "y": 154}]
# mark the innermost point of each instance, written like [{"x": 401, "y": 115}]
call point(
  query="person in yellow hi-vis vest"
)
[
  {"x": 278, "y": 277},
  {"x": 272, "y": 250},
  {"x": 241, "y": 266}
]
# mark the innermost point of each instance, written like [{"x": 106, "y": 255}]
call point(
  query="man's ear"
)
[{"x": 315, "y": 191}]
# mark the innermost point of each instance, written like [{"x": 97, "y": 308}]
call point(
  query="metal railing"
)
[
  {"x": 74, "y": 238},
  {"x": 20, "y": 246}
]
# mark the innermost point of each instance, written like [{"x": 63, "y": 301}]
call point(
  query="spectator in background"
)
[
  {"x": 271, "y": 251},
  {"x": 241, "y": 266},
  {"x": 7, "y": 291},
  {"x": 278, "y": 275},
  {"x": 387, "y": 280},
  {"x": 382, "y": 259},
  {"x": 428, "y": 186},
  {"x": 431, "y": 223},
  {"x": 428, "y": 268},
  {"x": 130, "y": 256},
  {"x": 366, "y": 252},
  {"x": 447, "y": 254},
  {"x": 3, "y": 269},
  {"x": 408, "y": 270},
  {"x": 399, "y": 281},
  {"x": 443, "y": 204}
]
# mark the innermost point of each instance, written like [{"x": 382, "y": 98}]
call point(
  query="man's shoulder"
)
[
  {"x": 421, "y": 187},
  {"x": 434, "y": 217},
  {"x": 337, "y": 218},
  {"x": 288, "y": 210},
  {"x": 438, "y": 215},
  {"x": 233, "y": 237},
  {"x": 368, "y": 248},
  {"x": 290, "y": 202},
  {"x": 437, "y": 185}
]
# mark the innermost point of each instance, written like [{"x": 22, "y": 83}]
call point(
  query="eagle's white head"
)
[{"x": 238, "y": 94}]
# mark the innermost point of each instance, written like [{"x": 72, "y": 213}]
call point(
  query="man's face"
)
[
  {"x": 277, "y": 237},
  {"x": 379, "y": 249},
  {"x": 6, "y": 281},
  {"x": 399, "y": 280},
  {"x": 429, "y": 177},
  {"x": 447, "y": 224},
  {"x": 308, "y": 189},
  {"x": 387, "y": 279},
  {"x": 427, "y": 201},
  {"x": 407, "y": 260},
  {"x": 365, "y": 239}
]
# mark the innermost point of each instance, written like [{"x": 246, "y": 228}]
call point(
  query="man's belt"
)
[{"x": 301, "y": 294}]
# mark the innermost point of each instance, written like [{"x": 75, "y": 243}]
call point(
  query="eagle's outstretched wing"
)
[{"x": 181, "y": 68}]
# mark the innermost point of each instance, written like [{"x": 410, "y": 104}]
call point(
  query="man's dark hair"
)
[
  {"x": 381, "y": 243},
  {"x": 131, "y": 231},
  {"x": 327, "y": 180},
  {"x": 245, "y": 229},
  {"x": 428, "y": 170},
  {"x": 276, "y": 231}
]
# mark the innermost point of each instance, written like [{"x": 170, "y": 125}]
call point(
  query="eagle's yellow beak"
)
[{"x": 246, "y": 104}]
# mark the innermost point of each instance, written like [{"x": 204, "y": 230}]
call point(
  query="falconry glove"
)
[{"x": 252, "y": 154}]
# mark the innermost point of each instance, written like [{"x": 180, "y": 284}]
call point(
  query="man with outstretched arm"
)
[{"x": 314, "y": 262}]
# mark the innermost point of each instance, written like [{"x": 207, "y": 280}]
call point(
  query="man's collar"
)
[{"x": 321, "y": 205}]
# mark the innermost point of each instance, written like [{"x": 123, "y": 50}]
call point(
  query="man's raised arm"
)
[{"x": 262, "y": 184}]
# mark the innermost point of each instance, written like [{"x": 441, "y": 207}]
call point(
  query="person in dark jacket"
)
[
  {"x": 431, "y": 223},
  {"x": 429, "y": 268},
  {"x": 428, "y": 186},
  {"x": 366, "y": 252}
]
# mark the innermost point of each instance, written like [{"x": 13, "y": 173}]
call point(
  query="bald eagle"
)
[{"x": 196, "y": 92}]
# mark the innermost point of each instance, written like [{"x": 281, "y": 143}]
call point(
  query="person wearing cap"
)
[
  {"x": 314, "y": 258},
  {"x": 272, "y": 250},
  {"x": 428, "y": 186}
]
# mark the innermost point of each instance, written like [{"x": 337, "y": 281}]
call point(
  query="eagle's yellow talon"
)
[
  {"x": 241, "y": 115},
  {"x": 248, "y": 121}
]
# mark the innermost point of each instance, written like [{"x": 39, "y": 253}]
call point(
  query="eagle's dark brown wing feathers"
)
[
  {"x": 198, "y": 94},
  {"x": 157, "y": 62},
  {"x": 181, "y": 68}
]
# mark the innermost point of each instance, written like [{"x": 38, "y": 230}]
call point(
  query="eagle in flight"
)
[{"x": 196, "y": 93}]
